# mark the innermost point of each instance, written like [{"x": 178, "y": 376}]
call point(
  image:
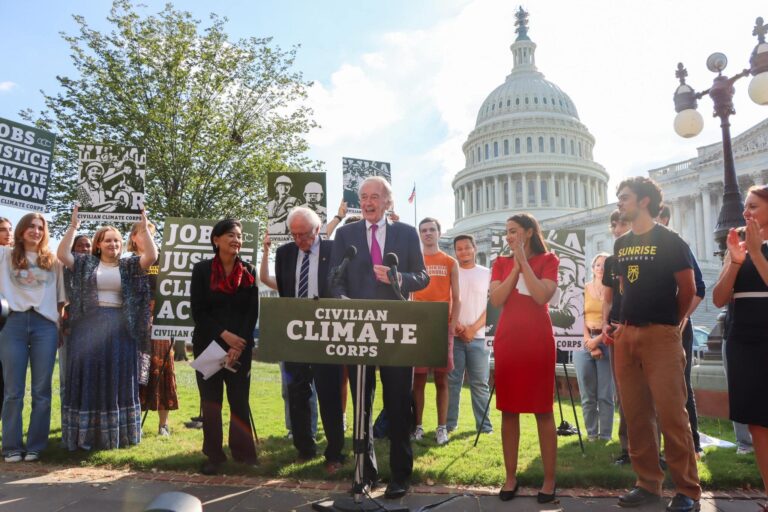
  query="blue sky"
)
[{"x": 402, "y": 81}]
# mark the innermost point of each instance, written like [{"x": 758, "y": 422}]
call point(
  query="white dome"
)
[
  {"x": 529, "y": 151},
  {"x": 525, "y": 92}
]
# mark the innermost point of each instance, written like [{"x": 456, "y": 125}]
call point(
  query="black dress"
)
[{"x": 747, "y": 346}]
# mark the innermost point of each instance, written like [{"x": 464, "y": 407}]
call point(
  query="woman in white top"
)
[
  {"x": 31, "y": 280},
  {"x": 109, "y": 317}
]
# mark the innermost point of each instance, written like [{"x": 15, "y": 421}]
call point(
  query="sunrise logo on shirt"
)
[{"x": 633, "y": 273}]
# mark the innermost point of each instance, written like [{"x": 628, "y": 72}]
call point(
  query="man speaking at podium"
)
[
  {"x": 365, "y": 276},
  {"x": 301, "y": 270}
]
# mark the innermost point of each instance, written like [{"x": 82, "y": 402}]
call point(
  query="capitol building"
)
[{"x": 530, "y": 152}]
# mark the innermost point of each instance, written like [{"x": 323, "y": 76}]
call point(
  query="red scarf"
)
[{"x": 220, "y": 282}]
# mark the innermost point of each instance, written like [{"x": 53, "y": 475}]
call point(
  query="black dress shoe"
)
[
  {"x": 209, "y": 468},
  {"x": 543, "y": 497},
  {"x": 682, "y": 503},
  {"x": 395, "y": 490},
  {"x": 637, "y": 497},
  {"x": 508, "y": 495}
]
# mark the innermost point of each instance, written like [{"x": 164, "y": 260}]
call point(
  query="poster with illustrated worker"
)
[
  {"x": 185, "y": 242},
  {"x": 290, "y": 189},
  {"x": 26, "y": 157},
  {"x": 566, "y": 309},
  {"x": 354, "y": 171},
  {"x": 110, "y": 187}
]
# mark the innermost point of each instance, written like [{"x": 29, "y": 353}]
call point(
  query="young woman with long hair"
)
[
  {"x": 524, "y": 347},
  {"x": 32, "y": 281}
]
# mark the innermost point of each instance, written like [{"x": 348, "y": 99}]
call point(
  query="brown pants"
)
[{"x": 650, "y": 366}]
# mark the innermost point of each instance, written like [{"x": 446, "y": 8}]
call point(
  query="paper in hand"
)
[{"x": 210, "y": 360}]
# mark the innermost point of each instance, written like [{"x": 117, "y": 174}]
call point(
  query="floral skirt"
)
[
  {"x": 100, "y": 408},
  {"x": 160, "y": 392}
]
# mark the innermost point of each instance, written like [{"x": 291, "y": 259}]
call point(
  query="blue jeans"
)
[
  {"x": 27, "y": 338},
  {"x": 596, "y": 390},
  {"x": 286, "y": 407},
  {"x": 475, "y": 358}
]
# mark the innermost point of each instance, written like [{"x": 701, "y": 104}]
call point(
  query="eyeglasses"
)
[{"x": 304, "y": 236}]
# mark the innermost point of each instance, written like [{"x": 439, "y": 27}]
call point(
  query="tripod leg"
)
[
  {"x": 485, "y": 413},
  {"x": 573, "y": 406},
  {"x": 559, "y": 402}
]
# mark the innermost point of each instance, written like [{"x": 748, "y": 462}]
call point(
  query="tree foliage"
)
[{"x": 215, "y": 115}]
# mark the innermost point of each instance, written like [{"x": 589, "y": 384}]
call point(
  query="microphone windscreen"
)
[
  {"x": 351, "y": 252},
  {"x": 390, "y": 259}
]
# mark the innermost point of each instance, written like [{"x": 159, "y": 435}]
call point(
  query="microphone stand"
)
[{"x": 357, "y": 503}]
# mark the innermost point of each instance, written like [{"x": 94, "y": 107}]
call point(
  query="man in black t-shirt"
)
[
  {"x": 611, "y": 314},
  {"x": 657, "y": 286}
]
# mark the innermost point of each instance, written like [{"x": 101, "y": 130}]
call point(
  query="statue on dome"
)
[{"x": 521, "y": 22}]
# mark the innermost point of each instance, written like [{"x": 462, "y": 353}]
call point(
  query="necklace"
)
[{"x": 110, "y": 263}]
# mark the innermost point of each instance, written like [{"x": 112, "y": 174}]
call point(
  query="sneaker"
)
[
  {"x": 164, "y": 431},
  {"x": 441, "y": 436},
  {"x": 623, "y": 459},
  {"x": 289, "y": 435},
  {"x": 744, "y": 450},
  {"x": 418, "y": 434},
  {"x": 31, "y": 457},
  {"x": 14, "y": 457}
]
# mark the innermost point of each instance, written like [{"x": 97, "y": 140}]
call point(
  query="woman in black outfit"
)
[
  {"x": 225, "y": 306},
  {"x": 743, "y": 285}
]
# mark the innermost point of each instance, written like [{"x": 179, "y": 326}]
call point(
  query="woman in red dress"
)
[{"x": 524, "y": 347}]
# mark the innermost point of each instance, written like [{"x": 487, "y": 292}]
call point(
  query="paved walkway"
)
[{"x": 35, "y": 487}]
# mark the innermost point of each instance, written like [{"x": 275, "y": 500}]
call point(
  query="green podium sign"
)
[{"x": 343, "y": 331}]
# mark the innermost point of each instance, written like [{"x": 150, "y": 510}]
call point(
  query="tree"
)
[{"x": 215, "y": 115}]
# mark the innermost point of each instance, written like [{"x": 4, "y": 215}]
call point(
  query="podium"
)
[{"x": 354, "y": 332}]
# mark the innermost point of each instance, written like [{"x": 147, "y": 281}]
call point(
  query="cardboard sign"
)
[
  {"x": 288, "y": 190},
  {"x": 354, "y": 171},
  {"x": 26, "y": 158},
  {"x": 185, "y": 242},
  {"x": 110, "y": 187},
  {"x": 567, "y": 311}
]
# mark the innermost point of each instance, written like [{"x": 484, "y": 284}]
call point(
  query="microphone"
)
[
  {"x": 349, "y": 254},
  {"x": 391, "y": 260}
]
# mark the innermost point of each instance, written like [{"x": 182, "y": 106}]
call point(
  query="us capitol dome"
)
[{"x": 528, "y": 152}]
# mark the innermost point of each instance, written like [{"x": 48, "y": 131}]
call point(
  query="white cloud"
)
[
  {"x": 414, "y": 100},
  {"x": 7, "y": 85}
]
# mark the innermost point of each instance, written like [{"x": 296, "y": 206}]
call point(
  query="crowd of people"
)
[{"x": 95, "y": 304}]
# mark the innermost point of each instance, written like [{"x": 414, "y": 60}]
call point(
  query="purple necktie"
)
[{"x": 375, "y": 248}]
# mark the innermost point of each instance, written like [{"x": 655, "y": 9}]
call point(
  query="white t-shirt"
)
[
  {"x": 32, "y": 287},
  {"x": 473, "y": 287},
  {"x": 108, "y": 284}
]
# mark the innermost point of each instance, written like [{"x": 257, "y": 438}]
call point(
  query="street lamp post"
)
[{"x": 689, "y": 123}]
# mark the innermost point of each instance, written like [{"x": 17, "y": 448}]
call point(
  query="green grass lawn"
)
[{"x": 458, "y": 462}]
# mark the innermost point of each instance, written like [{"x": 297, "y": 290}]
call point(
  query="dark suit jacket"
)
[
  {"x": 214, "y": 312},
  {"x": 285, "y": 269},
  {"x": 359, "y": 281}
]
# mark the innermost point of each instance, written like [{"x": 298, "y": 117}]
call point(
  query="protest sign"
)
[
  {"x": 185, "y": 242},
  {"x": 342, "y": 331},
  {"x": 26, "y": 157},
  {"x": 354, "y": 171},
  {"x": 288, "y": 190},
  {"x": 567, "y": 314},
  {"x": 110, "y": 186}
]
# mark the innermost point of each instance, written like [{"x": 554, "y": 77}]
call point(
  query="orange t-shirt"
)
[{"x": 439, "y": 267}]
